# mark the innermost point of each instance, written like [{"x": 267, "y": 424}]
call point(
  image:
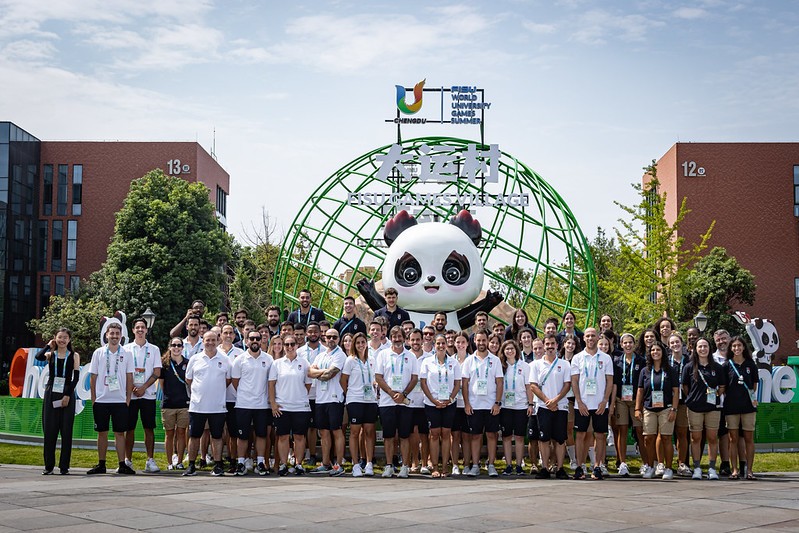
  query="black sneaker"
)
[
  {"x": 299, "y": 470},
  {"x": 543, "y": 473},
  {"x": 508, "y": 470},
  {"x": 578, "y": 473},
  {"x": 64, "y": 471},
  {"x": 203, "y": 464},
  {"x": 191, "y": 470},
  {"x": 724, "y": 469},
  {"x": 519, "y": 470},
  {"x": 283, "y": 470},
  {"x": 363, "y": 464},
  {"x": 313, "y": 460},
  {"x": 218, "y": 470},
  {"x": 46, "y": 472},
  {"x": 98, "y": 469},
  {"x": 125, "y": 469},
  {"x": 234, "y": 469},
  {"x": 239, "y": 470},
  {"x": 597, "y": 473},
  {"x": 561, "y": 474},
  {"x": 261, "y": 469}
]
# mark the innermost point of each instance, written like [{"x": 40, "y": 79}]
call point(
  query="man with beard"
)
[
  {"x": 391, "y": 312},
  {"x": 306, "y": 313},
  {"x": 240, "y": 317},
  {"x": 273, "y": 320},
  {"x": 193, "y": 343},
  {"x": 326, "y": 371},
  {"x": 310, "y": 351},
  {"x": 197, "y": 309}
]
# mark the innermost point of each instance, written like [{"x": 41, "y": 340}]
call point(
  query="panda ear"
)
[
  {"x": 103, "y": 321},
  {"x": 469, "y": 225},
  {"x": 759, "y": 323},
  {"x": 397, "y": 225}
]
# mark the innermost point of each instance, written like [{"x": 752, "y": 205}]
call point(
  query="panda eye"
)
[
  {"x": 455, "y": 270},
  {"x": 407, "y": 271},
  {"x": 764, "y": 337},
  {"x": 776, "y": 339}
]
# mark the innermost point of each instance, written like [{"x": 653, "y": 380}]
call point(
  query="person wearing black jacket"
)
[
  {"x": 174, "y": 403},
  {"x": 626, "y": 376},
  {"x": 58, "y": 409},
  {"x": 740, "y": 404}
]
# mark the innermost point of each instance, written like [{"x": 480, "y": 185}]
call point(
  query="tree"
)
[
  {"x": 714, "y": 285},
  {"x": 81, "y": 315},
  {"x": 167, "y": 250},
  {"x": 517, "y": 282},
  {"x": 648, "y": 279}
]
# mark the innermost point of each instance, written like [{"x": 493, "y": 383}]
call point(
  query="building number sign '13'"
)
[
  {"x": 691, "y": 170},
  {"x": 174, "y": 168}
]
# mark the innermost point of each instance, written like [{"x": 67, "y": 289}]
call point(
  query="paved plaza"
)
[{"x": 108, "y": 503}]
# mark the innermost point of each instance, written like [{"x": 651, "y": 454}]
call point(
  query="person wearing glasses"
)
[
  {"x": 174, "y": 403},
  {"x": 357, "y": 381},
  {"x": 740, "y": 405},
  {"x": 329, "y": 415}
]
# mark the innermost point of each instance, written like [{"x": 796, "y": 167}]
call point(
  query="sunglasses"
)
[
  {"x": 289, "y": 344},
  {"x": 176, "y": 346},
  {"x": 331, "y": 337},
  {"x": 258, "y": 339}
]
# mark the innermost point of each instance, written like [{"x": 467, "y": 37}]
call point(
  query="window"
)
[
  {"x": 62, "y": 190},
  {"x": 796, "y": 296},
  {"x": 47, "y": 193},
  {"x": 796, "y": 191},
  {"x": 77, "y": 190},
  {"x": 44, "y": 292},
  {"x": 58, "y": 235},
  {"x": 72, "y": 245},
  {"x": 221, "y": 201},
  {"x": 74, "y": 284},
  {"x": 59, "y": 285},
  {"x": 42, "y": 245}
]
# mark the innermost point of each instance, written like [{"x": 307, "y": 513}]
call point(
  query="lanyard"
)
[
  {"x": 402, "y": 364},
  {"x": 108, "y": 361},
  {"x": 585, "y": 365},
  {"x": 679, "y": 376},
  {"x": 175, "y": 371},
  {"x": 513, "y": 386},
  {"x": 146, "y": 355},
  {"x": 55, "y": 365},
  {"x": 361, "y": 364},
  {"x": 346, "y": 326},
  {"x": 740, "y": 377},
  {"x": 702, "y": 375},
  {"x": 328, "y": 358},
  {"x": 446, "y": 371},
  {"x": 662, "y": 378},
  {"x": 551, "y": 367},
  {"x": 624, "y": 368},
  {"x": 477, "y": 365}
]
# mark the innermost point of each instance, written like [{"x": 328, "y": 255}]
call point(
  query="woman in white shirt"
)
[
  {"x": 440, "y": 377},
  {"x": 517, "y": 401},
  {"x": 460, "y": 427},
  {"x": 358, "y": 383}
]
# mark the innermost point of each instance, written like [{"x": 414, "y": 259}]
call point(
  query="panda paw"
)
[
  {"x": 493, "y": 298},
  {"x": 365, "y": 286}
]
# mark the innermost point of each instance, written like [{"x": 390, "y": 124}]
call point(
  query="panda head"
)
[
  {"x": 118, "y": 318},
  {"x": 434, "y": 266},
  {"x": 767, "y": 332}
]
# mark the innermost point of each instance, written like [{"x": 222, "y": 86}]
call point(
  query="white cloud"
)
[
  {"x": 598, "y": 26},
  {"x": 24, "y": 50},
  {"x": 690, "y": 13},
  {"x": 538, "y": 28}
]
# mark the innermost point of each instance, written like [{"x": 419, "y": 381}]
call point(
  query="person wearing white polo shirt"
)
[
  {"x": 550, "y": 381},
  {"x": 361, "y": 398},
  {"x": 228, "y": 349},
  {"x": 396, "y": 373},
  {"x": 111, "y": 380},
  {"x": 207, "y": 376},
  {"x": 147, "y": 370},
  {"x": 326, "y": 370},
  {"x": 592, "y": 383},
  {"x": 421, "y": 426},
  {"x": 309, "y": 346},
  {"x": 289, "y": 384},
  {"x": 250, "y": 374},
  {"x": 482, "y": 387}
]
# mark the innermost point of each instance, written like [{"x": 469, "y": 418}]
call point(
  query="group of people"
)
[{"x": 439, "y": 395}]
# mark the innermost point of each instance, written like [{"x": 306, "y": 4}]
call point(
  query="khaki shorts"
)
[
  {"x": 175, "y": 418},
  {"x": 700, "y": 421},
  {"x": 746, "y": 421},
  {"x": 682, "y": 416},
  {"x": 624, "y": 412},
  {"x": 658, "y": 422}
]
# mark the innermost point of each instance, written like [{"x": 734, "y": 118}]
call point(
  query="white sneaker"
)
[
  {"x": 174, "y": 459},
  {"x": 604, "y": 469},
  {"x": 271, "y": 462},
  {"x": 424, "y": 470},
  {"x": 129, "y": 463},
  {"x": 648, "y": 472},
  {"x": 388, "y": 471},
  {"x": 642, "y": 469},
  {"x": 623, "y": 470},
  {"x": 369, "y": 470},
  {"x": 170, "y": 466},
  {"x": 697, "y": 473},
  {"x": 356, "y": 470},
  {"x": 455, "y": 470},
  {"x": 248, "y": 464},
  {"x": 712, "y": 474},
  {"x": 573, "y": 465},
  {"x": 403, "y": 473},
  {"x": 660, "y": 469},
  {"x": 683, "y": 470},
  {"x": 492, "y": 471},
  {"x": 150, "y": 466},
  {"x": 668, "y": 474},
  {"x": 475, "y": 470},
  {"x": 209, "y": 459}
]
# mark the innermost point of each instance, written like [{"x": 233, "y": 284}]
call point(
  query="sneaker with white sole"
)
[
  {"x": 648, "y": 472},
  {"x": 174, "y": 459},
  {"x": 604, "y": 469},
  {"x": 150, "y": 466},
  {"x": 356, "y": 470},
  {"x": 248, "y": 464},
  {"x": 683, "y": 470},
  {"x": 336, "y": 471},
  {"x": 624, "y": 471},
  {"x": 388, "y": 471},
  {"x": 668, "y": 474},
  {"x": 170, "y": 466},
  {"x": 642, "y": 469},
  {"x": 573, "y": 465},
  {"x": 474, "y": 471},
  {"x": 712, "y": 474},
  {"x": 455, "y": 470},
  {"x": 403, "y": 473},
  {"x": 660, "y": 469},
  {"x": 492, "y": 471},
  {"x": 425, "y": 470},
  {"x": 208, "y": 459},
  {"x": 368, "y": 470},
  {"x": 129, "y": 463},
  {"x": 697, "y": 473}
]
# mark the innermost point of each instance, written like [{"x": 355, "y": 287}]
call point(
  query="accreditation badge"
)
[
  {"x": 627, "y": 393},
  {"x": 396, "y": 382},
  {"x": 443, "y": 392},
  {"x": 58, "y": 384},
  {"x": 509, "y": 398},
  {"x": 138, "y": 376},
  {"x": 591, "y": 387},
  {"x": 711, "y": 396},
  {"x": 112, "y": 382},
  {"x": 368, "y": 392},
  {"x": 657, "y": 399},
  {"x": 482, "y": 387}
]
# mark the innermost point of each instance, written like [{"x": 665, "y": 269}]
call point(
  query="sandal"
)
[
  {"x": 436, "y": 474},
  {"x": 751, "y": 477},
  {"x": 733, "y": 477}
]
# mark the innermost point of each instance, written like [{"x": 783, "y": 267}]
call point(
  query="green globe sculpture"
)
[{"x": 532, "y": 249}]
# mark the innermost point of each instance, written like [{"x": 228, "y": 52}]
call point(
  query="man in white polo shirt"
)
[
  {"x": 592, "y": 383},
  {"x": 111, "y": 372},
  {"x": 396, "y": 373},
  {"x": 550, "y": 381},
  {"x": 146, "y": 371},
  {"x": 207, "y": 376},
  {"x": 326, "y": 369},
  {"x": 250, "y": 374}
]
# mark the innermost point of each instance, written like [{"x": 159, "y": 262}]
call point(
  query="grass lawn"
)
[{"x": 32, "y": 455}]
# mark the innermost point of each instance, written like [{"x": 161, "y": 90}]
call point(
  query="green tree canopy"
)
[{"x": 80, "y": 314}]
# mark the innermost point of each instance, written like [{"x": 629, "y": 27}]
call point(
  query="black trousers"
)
[{"x": 55, "y": 422}]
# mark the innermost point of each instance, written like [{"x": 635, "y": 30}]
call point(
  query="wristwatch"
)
[{"x": 498, "y": 403}]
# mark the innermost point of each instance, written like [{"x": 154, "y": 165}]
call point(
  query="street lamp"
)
[
  {"x": 700, "y": 321},
  {"x": 149, "y": 317}
]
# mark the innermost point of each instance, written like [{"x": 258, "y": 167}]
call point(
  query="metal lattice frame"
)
[{"x": 329, "y": 236}]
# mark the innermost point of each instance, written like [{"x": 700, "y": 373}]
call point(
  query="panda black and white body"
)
[{"x": 434, "y": 267}]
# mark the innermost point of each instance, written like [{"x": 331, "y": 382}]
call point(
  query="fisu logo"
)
[{"x": 413, "y": 108}]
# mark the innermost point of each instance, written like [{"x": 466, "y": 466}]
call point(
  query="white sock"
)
[
  {"x": 241, "y": 460},
  {"x": 260, "y": 459},
  {"x": 592, "y": 455},
  {"x": 570, "y": 451}
]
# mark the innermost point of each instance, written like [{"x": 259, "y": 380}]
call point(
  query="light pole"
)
[
  {"x": 149, "y": 319},
  {"x": 700, "y": 321}
]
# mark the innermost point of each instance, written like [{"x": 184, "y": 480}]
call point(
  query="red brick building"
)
[
  {"x": 751, "y": 190},
  {"x": 58, "y": 200}
]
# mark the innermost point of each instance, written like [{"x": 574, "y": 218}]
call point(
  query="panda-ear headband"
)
[{"x": 403, "y": 220}]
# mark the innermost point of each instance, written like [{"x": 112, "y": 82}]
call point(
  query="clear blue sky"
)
[{"x": 583, "y": 92}]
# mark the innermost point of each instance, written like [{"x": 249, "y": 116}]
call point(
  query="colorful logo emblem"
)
[{"x": 413, "y": 108}]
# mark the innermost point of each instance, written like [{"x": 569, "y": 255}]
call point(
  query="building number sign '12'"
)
[
  {"x": 691, "y": 170},
  {"x": 174, "y": 168}
]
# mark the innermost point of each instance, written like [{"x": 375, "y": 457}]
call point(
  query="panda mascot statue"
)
[
  {"x": 434, "y": 266},
  {"x": 118, "y": 318},
  {"x": 763, "y": 334}
]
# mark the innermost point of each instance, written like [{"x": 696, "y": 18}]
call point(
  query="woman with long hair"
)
[
  {"x": 174, "y": 403},
  {"x": 440, "y": 377},
  {"x": 525, "y": 340},
  {"x": 276, "y": 347},
  {"x": 679, "y": 361},
  {"x": 740, "y": 405},
  {"x": 568, "y": 348},
  {"x": 568, "y": 323},
  {"x": 628, "y": 372},
  {"x": 518, "y": 321},
  {"x": 58, "y": 407},
  {"x": 517, "y": 399},
  {"x": 460, "y": 427},
  {"x": 357, "y": 380}
]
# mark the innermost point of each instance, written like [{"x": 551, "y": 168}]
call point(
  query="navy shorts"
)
[
  {"x": 396, "y": 420},
  {"x": 532, "y": 428},
  {"x": 215, "y": 421},
  {"x": 481, "y": 420},
  {"x": 329, "y": 415},
  {"x": 103, "y": 413},
  {"x": 600, "y": 422},
  {"x": 258, "y": 420},
  {"x": 440, "y": 418},
  {"x": 292, "y": 422},
  {"x": 230, "y": 420},
  {"x": 460, "y": 423},
  {"x": 420, "y": 420},
  {"x": 513, "y": 422},
  {"x": 553, "y": 425},
  {"x": 362, "y": 413},
  {"x": 145, "y": 409}
]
